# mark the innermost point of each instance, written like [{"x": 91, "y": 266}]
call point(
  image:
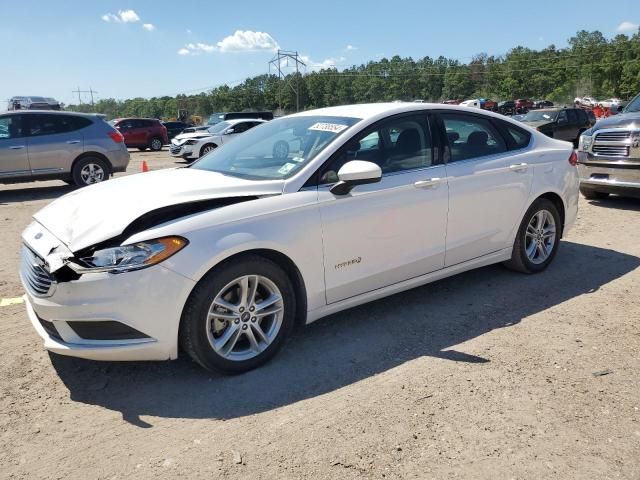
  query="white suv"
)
[{"x": 192, "y": 146}]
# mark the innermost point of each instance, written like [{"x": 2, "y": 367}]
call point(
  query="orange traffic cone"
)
[{"x": 145, "y": 167}]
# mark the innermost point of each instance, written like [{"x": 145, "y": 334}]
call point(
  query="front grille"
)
[
  {"x": 611, "y": 150},
  {"x": 36, "y": 279},
  {"x": 613, "y": 136},
  {"x": 175, "y": 148}
]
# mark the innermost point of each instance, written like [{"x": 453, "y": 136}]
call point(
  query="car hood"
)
[
  {"x": 103, "y": 211},
  {"x": 618, "y": 121},
  {"x": 187, "y": 136}
]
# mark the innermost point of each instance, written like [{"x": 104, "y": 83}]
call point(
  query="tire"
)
[
  {"x": 591, "y": 194},
  {"x": 206, "y": 148},
  {"x": 534, "y": 260},
  {"x": 90, "y": 170},
  {"x": 142, "y": 149},
  {"x": 155, "y": 144},
  {"x": 200, "y": 331}
]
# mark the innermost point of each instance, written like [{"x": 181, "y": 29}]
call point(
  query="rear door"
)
[
  {"x": 14, "y": 161},
  {"x": 489, "y": 184},
  {"x": 126, "y": 128},
  {"x": 55, "y": 141}
]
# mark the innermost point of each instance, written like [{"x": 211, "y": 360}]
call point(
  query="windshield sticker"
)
[
  {"x": 297, "y": 159},
  {"x": 286, "y": 168},
  {"x": 328, "y": 127}
]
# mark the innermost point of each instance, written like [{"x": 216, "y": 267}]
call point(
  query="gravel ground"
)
[{"x": 489, "y": 374}]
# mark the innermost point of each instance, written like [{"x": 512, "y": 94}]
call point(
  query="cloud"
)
[
  {"x": 123, "y": 16},
  {"x": 149, "y": 27},
  {"x": 628, "y": 27},
  {"x": 349, "y": 48},
  {"x": 196, "y": 49},
  {"x": 248, "y": 41},
  {"x": 326, "y": 63},
  {"x": 189, "y": 32}
]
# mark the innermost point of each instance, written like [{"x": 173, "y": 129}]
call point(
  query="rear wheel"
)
[
  {"x": 239, "y": 315},
  {"x": 538, "y": 238},
  {"x": 155, "y": 144},
  {"x": 591, "y": 194},
  {"x": 90, "y": 170}
]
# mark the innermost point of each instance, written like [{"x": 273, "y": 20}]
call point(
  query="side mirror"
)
[
  {"x": 229, "y": 131},
  {"x": 356, "y": 172}
]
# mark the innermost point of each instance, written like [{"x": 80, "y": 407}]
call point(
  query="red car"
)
[
  {"x": 523, "y": 105},
  {"x": 142, "y": 133}
]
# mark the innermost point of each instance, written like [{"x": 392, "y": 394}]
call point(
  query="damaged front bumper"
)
[{"x": 101, "y": 316}]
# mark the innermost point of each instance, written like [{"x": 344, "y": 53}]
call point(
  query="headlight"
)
[
  {"x": 126, "y": 258},
  {"x": 584, "y": 143}
]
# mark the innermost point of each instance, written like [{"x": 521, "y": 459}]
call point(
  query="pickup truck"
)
[{"x": 609, "y": 155}]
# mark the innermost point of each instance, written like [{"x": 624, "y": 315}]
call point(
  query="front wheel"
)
[
  {"x": 239, "y": 315},
  {"x": 538, "y": 238},
  {"x": 209, "y": 147}
]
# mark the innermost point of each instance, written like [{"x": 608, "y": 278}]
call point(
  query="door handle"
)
[
  {"x": 518, "y": 167},
  {"x": 73, "y": 142},
  {"x": 16, "y": 147},
  {"x": 428, "y": 183}
]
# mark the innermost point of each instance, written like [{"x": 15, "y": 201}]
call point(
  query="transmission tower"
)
[
  {"x": 282, "y": 61},
  {"x": 78, "y": 91}
]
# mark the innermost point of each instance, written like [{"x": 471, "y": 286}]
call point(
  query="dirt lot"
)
[{"x": 490, "y": 374}]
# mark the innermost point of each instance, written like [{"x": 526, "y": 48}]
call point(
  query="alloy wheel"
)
[
  {"x": 245, "y": 317},
  {"x": 540, "y": 237},
  {"x": 92, "y": 173}
]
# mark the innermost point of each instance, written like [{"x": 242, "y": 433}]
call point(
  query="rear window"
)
[{"x": 520, "y": 137}]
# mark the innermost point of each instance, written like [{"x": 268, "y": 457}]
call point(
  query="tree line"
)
[{"x": 590, "y": 65}]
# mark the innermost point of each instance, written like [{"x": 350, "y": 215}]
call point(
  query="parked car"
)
[
  {"x": 451, "y": 102},
  {"x": 225, "y": 256},
  {"x": 561, "y": 123},
  {"x": 487, "y": 104},
  {"x": 507, "y": 107},
  {"x": 142, "y": 133},
  {"x": 175, "y": 128},
  {"x": 542, "y": 104},
  {"x": 609, "y": 155},
  {"x": 523, "y": 105},
  {"x": 588, "y": 102},
  {"x": 78, "y": 148},
  {"x": 33, "y": 103},
  {"x": 191, "y": 146},
  {"x": 475, "y": 103},
  {"x": 222, "y": 116}
]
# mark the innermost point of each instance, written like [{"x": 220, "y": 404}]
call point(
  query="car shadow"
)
[
  {"x": 13, "y": 195},
  {"x": 349, "y": 346},
  {"x": 618, "y": 203}
]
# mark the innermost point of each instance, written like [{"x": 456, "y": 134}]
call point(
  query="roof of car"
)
[
  {"x": 369, "y": 110},
  {"x": 233, "y": 121},
  {"x": 50, "y": 112}
]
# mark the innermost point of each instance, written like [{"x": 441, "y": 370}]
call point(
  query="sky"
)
[{"x": 145, "y": 48}]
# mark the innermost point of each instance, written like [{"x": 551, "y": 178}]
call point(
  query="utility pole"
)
[
  {"x": 91, "y": 91},
  {"x": 282, "y": 58}
]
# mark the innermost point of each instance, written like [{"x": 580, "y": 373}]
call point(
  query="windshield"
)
[
  {"x": 219, "y": 127},
  {"x": 277, "y": 149},
  {"x": 540, "y": 116},
  {"x": 215, "y": 118},
  {"x": 634, "y": 105}
]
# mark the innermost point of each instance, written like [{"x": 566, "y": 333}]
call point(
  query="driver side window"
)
[{"x": 396, "y": 145}]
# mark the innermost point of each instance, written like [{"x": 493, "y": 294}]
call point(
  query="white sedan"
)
[
  {"x": 225, "y": 256},
  {"x": 194, "y": 145}
]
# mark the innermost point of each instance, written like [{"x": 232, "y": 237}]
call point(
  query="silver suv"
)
[{"x": 78, "y": 148}]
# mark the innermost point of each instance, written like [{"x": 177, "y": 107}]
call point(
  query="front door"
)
[
  {"x": 54, "y": 142},
  {"x": 488, "y": 187},
  {"x": 14, "y": 159},
  {"x": 387, "y": 232}
]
